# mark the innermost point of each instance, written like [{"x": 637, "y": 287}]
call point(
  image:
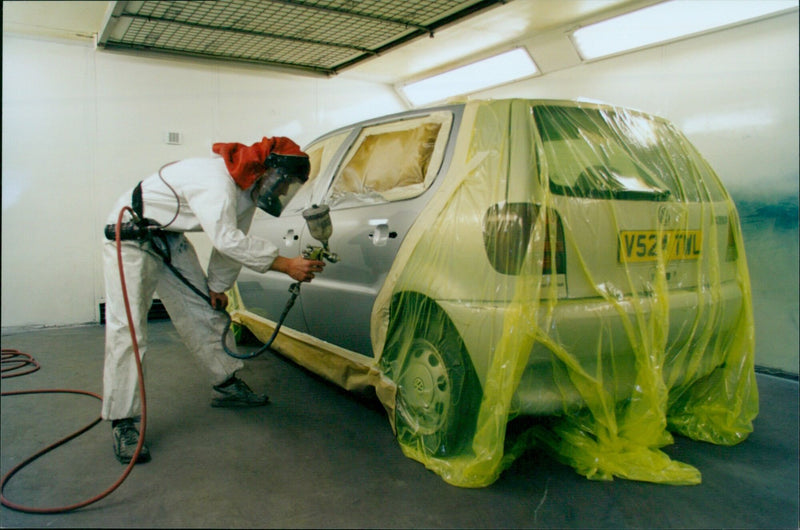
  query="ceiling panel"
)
[
  {"x": 383, "y": 41},
  {"x": 322, "y": 36}
]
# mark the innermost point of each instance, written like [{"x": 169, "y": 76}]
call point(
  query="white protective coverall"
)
[{"x": 210, "y": 201}]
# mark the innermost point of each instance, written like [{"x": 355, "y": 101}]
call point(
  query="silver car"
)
[{"x": 517, "y": 257}]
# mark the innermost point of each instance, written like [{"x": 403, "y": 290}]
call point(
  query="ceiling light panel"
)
[
  {"x": 493, "y": 71},
  {"x": 669, "y": 21},
  {"x": 323, "y": 36}
]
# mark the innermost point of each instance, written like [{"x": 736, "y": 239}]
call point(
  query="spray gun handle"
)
[
  {"x": 313, "y": 253},
  {"x": 319, "y": 253}
]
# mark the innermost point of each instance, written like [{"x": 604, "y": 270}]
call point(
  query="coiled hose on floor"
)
[{"x": 14, "y": 359}]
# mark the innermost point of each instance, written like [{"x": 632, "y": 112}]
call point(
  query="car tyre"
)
[{"x": 438, "y": 391}]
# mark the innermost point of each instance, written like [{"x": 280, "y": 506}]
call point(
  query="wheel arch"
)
[{"x": 417, "y": 352}]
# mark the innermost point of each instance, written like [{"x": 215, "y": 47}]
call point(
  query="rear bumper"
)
[{"x": 606, "y": 340}]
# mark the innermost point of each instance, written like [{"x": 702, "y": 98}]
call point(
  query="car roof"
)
[{"x": 411, "y": 113}]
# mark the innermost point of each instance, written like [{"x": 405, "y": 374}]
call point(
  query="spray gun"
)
[{"x": 319, "y": 224}]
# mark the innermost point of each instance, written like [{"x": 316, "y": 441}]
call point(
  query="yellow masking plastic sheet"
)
[{"x": 616, "y": 307}]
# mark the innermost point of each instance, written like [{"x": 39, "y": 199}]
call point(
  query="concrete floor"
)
[{"x": 317, "y": 457}]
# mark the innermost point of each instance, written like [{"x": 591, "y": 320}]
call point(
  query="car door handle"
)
[
  {"x": 290, "y": 237},
  {"x": 381, "y": 235}
]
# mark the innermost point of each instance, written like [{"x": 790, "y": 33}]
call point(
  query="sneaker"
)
[
  {"x": 235, "y": 393},
  {"x": 126, "y": 438}
]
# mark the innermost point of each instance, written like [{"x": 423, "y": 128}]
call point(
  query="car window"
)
[
  {"x": 605, "y": 154},
  {"x": 319, "y": 154},
  {"x": 391, "y": 161}
]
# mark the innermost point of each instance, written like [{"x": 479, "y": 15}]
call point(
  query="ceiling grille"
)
[{"x": 322, "y": 36}]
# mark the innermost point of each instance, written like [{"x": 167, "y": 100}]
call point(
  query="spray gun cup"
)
[{"x": 319, "y": 224}]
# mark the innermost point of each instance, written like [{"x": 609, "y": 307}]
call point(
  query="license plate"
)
[{"x": 643, "y": 245}]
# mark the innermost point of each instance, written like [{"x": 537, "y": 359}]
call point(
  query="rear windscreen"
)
[{"x": 599, "y": 153}]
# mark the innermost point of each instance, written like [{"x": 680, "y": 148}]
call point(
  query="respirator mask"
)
[{"x": 285, "y": 174}]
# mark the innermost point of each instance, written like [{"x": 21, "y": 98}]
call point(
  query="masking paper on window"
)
[
  {"x": 392, "y": 161},
  {"x": 319, "y": 157},
  {"x": 581, "y": 265}
]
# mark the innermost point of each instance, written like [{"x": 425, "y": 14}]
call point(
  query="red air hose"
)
[{"x": 11, "y": 355}]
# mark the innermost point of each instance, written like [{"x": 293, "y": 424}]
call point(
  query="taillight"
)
[
  {"x": 558, "y": 248},
  {"x": 507, "y": 230}
]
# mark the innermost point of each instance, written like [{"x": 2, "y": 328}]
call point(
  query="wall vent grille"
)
[{"x": 173, "y": 138}]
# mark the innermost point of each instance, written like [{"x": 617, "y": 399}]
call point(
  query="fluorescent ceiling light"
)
[
  {"x": 669, "y": 21},
  {"x": 500, "y": 69}
]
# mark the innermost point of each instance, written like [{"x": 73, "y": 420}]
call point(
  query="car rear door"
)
[{"x": 381, "y": 184}]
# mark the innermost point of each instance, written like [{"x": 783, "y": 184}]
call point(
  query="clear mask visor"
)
[{"x": 275, "y": 191}]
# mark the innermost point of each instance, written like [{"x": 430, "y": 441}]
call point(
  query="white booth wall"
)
[{"x": 80, "y": 126}]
